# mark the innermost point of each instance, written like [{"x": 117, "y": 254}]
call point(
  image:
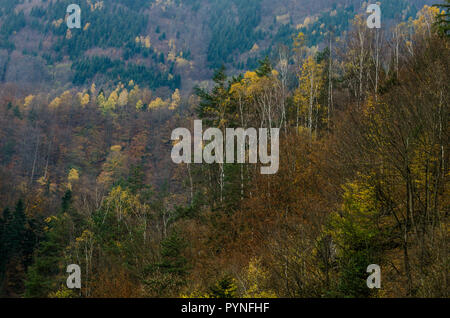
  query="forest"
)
[{"x": 86, "y": 175}]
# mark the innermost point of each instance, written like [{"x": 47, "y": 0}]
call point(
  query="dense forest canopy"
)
[
  {"x": 163, "y": 44},
  {"x": 86, "y": 176}
]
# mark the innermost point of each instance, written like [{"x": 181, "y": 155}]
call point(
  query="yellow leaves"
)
[
  {"x": 359, "y": 21},
  {"x": 358, "y": 197},
  {"x": 251, "y": 87},
  {"x": 86, "y": 26},
  {"x": 72, "y": 177},
  {"x": 356, "y": 221},
  {"x": 48, "y": 222},
  {"x": 302, "y": 130},
  {"x": 114, "y": 167},
  {"x": 251, "y": 82},
  {"x": 176, "y": 141},
  {"x": 93, "y": 89},
  {"x": 85, "y": 236},
  {"x": 101, "y": 99},
  {"x": 124, "y": 203},
  {"x": 123, "y": 98},
  {"x": 65, "y": 97},
  {"x": 176, "y": 99},
  {"x": 236, "y": 88},
  {"x": 139, "y": 105},
  {"x": 181, "y": 62},
  {"x": 369, "y": 106},
  {"x": 63, "y": 292},
  {"x": 255, "y": 48},
  {"x": 50, "y": 219},
  {"x": 426, "y": 17},
  {"x": 409, "y": 44},
  {"x": 113, "y": 97},
  {"x": 85, "y": 100},
  {"x": 144, "y": 41},
  {"x": 55, "y": 103},
  {"x": 42, "y": 181},
  {"x": 171, "y": 56},
  {"x": 97, "y": 5},
  {"x": 57, "y": 23},
  {"x": 256, "y": 279},
  {"x": 195, "y": 293},
  {"x": 250, "y": 76},
  {"x": 28, "y": 100},
  {"x": 133, "y": 95},
  {"x": 310, "y": 83},
  {"x": 425, "y": 156},
  {"x": 116, "y": 148},
  {"x": 157, "y": 103},
  {"x": 110, "y": 104},
  {"x": 300, "y": 99},
  {"x": 147, "y": 42}
]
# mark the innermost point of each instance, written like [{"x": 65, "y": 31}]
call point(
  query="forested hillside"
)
[
  {"x": 162, "y": 44},
  {"x": 86, "y": 175}
]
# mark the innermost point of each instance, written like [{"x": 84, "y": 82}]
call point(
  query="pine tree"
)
[
  {"x": 265, "y": 67},
  {"x": 224, "y": 288},
  {"x": 14, "y": 253},
  {"x": 443, "y": 22},
  {"x": 46, "y": 273},
  {"x": 356, "y": 235},
  {"x": 173, "y": 260},
  {"x": 4, "y": 222}
]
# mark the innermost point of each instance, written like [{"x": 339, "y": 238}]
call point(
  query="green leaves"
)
[{"x": 354, "y": 231}]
